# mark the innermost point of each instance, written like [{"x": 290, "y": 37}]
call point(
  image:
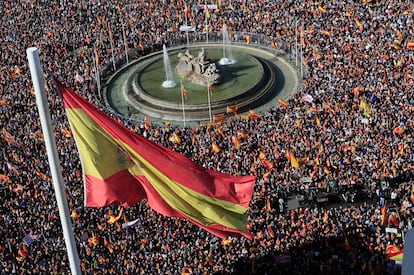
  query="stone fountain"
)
[{"x": 198, "y": 69}]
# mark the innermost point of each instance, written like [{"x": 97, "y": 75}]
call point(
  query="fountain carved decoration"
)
[{"x": 198, "y": 69}]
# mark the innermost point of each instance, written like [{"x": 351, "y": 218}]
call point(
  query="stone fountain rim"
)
[{"x": 277, "y": 56}]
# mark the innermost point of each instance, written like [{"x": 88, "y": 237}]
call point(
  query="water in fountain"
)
[
  {"x": 169, "y": 82},
  {"x": 227, "y": 58}
]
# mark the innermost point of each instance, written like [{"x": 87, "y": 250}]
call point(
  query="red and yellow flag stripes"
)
[
  {"x": 121, "y": 167},
  {"x": 293, "y": 161}
]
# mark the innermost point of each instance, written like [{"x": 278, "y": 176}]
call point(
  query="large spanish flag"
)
[{"x": 121, "y": 167}]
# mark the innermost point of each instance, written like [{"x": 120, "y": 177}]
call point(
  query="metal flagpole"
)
[
  {"x": 206, "y": 19},
  {"x": 41, "y": 101},
  {"x": 112, "y": 46},
  {"x": 301, "y": 53},
  {"x": 186, "y": 22},
  {"x": 296, "y": 42},
  {"x": 182, "y": 99},
  {"x": 95, "y": 58},
  {"x": 209, "y": 102},
  {"x": 125, "y": 42},
  {"x": 224, "y": 42}
]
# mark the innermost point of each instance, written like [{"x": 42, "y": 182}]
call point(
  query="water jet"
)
[
  {"x": 227, "y": 58},
  {"x": 169, "y": 82}
]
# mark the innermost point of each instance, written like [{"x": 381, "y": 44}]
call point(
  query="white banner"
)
[
  {"x": 202, "y": 7},
  {"x": 391, "y": 230},
  {"x": 129, "y": 224},
  {"x": 184, "y": 28}
]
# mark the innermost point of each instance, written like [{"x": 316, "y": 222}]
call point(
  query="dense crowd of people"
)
[{"x": 355, "y": 134}]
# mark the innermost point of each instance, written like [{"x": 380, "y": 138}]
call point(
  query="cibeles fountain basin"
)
[
  {"x": 137, "y": 91},
  {"x": 234, "y": 79}
]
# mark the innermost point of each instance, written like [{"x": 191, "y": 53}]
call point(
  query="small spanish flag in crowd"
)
[
  {"x": 215, "y": 147},
  {"x": 359, "y": 24},
  {"x": 291, "y": 157},
  {"x": 108, "y": 245},
  {"x": 113, "y": 219},
  {"x": 270, "y": 230},
  {"x": 248, "y": 39},
  {"x": 283, "y": 103},
  {"x": 252, "y": 114},
  {"x": 94, "y": 240},
  {"x": 184, "y": 91},
  {"x": 236, "y": 142},
  {"x": 232, "y": 109},
  {"x": 218, "y": 117},
  {"x": 241, "y": 134},
  {"x": 384, "y": 215},
  {"x": 321, "y": 9},
  {"x": 175, "y": 138},
  {"x": 208, "y": 15},
  {"x": 325, "y": 32}
]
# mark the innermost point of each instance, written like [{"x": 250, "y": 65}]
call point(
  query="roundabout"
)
[{"x": 255, "y": 80}]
